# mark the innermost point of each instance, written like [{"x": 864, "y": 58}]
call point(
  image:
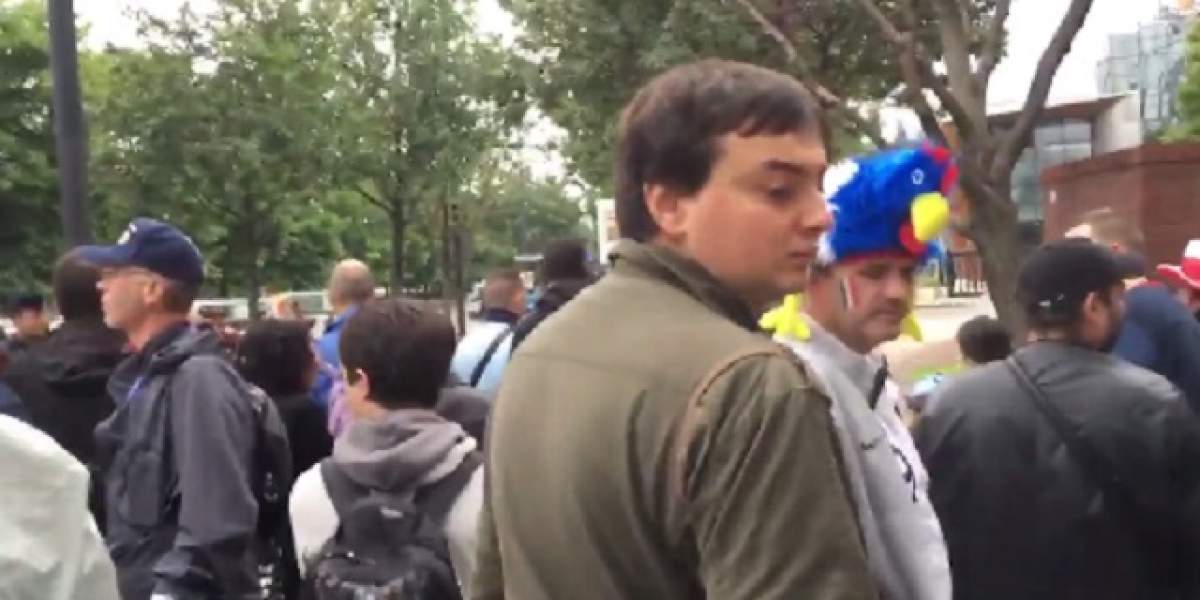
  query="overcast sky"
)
[{"x": 1030, "y": 27}]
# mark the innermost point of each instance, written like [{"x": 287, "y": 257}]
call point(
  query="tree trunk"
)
[
  {"x": 254, "y": 276},
  {"x": 399, "y": 221},
  {"x": 994, "y": 230}
]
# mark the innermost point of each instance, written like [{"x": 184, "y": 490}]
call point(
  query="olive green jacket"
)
[{"x": 647, "y": 442}]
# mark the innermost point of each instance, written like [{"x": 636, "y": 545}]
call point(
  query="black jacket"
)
[
  {"x": 556, "y": 294},
  {"x": 62, "y": 383},
  {"x": 178, "y": 455},
  {"x": 307, "y": 432},
  {"x": 465, "y": 405},
  {"x": 1022, "y": 519}
]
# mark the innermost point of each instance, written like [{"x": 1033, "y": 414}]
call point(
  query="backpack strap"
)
[
  {"x": 437, "y": 498},
  {"x": 481, "y": 366}
]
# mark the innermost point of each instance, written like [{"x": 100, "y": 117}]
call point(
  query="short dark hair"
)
[
  {"x": 983, "y": 340},
  {"x": 564, "y": 259},
  {"x": 404, "y": 349},
  {"x": 500, "y": 286},
  {"x": 75, "y": 289},
  {"x": 26, "y": 302},
  {"x": 276, "y": 355},
  {"x": 668, "y": 132}
]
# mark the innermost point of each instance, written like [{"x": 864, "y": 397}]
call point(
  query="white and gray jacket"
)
[{"x": 888, "y": 482}]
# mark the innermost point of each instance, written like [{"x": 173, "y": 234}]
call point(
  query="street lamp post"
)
[{"x": 70, "y": 134}]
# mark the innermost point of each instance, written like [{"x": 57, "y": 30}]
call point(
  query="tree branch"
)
[
  {"x": 1018, "y": 137},
  {"x": 862, "y": 126},
  {"x": 906, "y": 43},
  {"x": 993, "y": 43},
  {"x": 826, "y": 98},
  {"x": 372, "y": 198}
]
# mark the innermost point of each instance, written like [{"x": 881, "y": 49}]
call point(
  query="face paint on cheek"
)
[{"x": 846, "y": 294}]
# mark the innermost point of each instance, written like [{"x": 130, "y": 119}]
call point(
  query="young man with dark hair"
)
[
  {"x": 63, "y": 382},
  {"x": 179, "y": 452},
  {"x": 1159, "y": 333},
  {"x": 484, "y": 351},
  {"x": 564, "y": 273},
  {"x": 1065, "y": 472},
  {"x": 681, "y": 453},
  {"x": 983, "y": 340},
  {"x": 396, "y": 356}
]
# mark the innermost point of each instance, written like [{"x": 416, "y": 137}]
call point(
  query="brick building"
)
[{"x": 1157, "y": 186}]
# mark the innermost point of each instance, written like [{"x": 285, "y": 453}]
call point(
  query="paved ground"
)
[{"x": 940, "y": 319}]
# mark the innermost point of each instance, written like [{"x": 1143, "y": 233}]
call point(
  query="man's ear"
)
[
  {"x": 1093, "y": 302},
  {"x": 669, "y": 208}
]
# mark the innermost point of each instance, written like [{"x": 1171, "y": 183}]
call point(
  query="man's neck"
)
[{"x": 151, "y": 328}]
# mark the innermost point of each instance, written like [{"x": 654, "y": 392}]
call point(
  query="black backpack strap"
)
[
  {"x": 1094, "y": 465},
  {"x": 481, "y": 366},
  {"x": 436, "y": 499},
  {"x": 342, "y": 490}
]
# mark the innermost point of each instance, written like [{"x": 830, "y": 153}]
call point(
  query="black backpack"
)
[
  {"x": 279, "y": 576},
  {"x": 389, "y": 546}
]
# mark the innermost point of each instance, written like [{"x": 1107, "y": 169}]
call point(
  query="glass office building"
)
[{"x": 1150, "y": 62}]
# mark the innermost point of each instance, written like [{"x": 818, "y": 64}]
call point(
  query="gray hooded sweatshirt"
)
[{"x": 406, "y": 450}]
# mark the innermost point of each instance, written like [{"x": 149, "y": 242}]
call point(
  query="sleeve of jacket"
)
[
  {"x": 1184, "y": 438},
  {"x": 768, "y": 504},
  {"x": 213, "y": 437},
  {"x": 1182, "y": 344}
]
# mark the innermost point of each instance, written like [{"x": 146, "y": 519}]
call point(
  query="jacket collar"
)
[
  {"x": 500, "y": 315},
  {"x": 685, "y": 274},
  {"x": 340, "y": 320}
]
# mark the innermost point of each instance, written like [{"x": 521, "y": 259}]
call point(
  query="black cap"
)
[
  {"x": 1057, "y": 277},
  {"x": 154, "y": 246}
]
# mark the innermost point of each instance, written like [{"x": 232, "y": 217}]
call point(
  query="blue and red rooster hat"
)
[
  {"x": 894, "y": 202},
  {"x": 891, "y": 203}
]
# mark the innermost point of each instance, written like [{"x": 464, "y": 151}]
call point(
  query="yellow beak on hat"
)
[{"x": 930, "y": 215}]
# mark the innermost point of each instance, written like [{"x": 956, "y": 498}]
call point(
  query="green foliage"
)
[
  {"x": 225, "y": 137},
  {"x": 30, "y": 231},
  {"x": 421, "y": 101},
  {"x": 1189, "y": 93},
  {"x": 592, "y": 56},
  {"x": 516, "y": 213}
]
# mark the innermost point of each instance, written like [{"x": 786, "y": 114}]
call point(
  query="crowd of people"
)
[{"x": 711, "y": 418}]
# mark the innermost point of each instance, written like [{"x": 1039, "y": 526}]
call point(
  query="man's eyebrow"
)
[{"x": 791, "y": 167}]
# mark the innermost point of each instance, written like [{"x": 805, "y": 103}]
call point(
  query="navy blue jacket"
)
[
  {"x": 1162, "y": 336},
  {"x": 177, "y": 457}
]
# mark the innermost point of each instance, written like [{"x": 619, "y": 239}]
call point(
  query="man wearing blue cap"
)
[{"x": 178, "y": 450}]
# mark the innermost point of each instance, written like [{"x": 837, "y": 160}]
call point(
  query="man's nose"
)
[{"x": 815, "y": 217}]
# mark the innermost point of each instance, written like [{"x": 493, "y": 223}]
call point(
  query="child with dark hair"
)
[
  {"x": 277, "y": 356},
  {"x": 395, "y": 360},
  {"x": 983, "y": 340}
]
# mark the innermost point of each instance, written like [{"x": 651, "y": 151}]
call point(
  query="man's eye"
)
[{"x": 781, "y": 194}]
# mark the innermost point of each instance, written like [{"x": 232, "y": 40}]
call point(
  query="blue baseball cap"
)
[{"x": 154, "y": 246}]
